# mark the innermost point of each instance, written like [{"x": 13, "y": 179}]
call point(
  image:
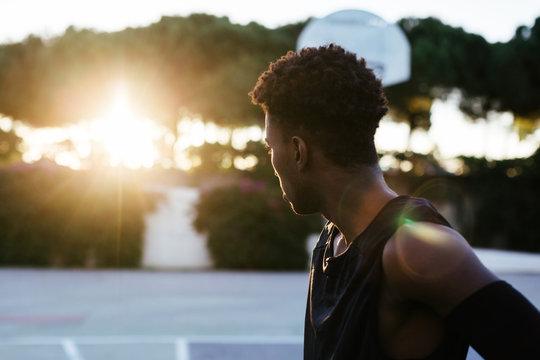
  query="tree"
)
[
  {"x": 490, "y": 77},
  {"x": 207, "y": 65},
  {"x": 201, "y": 62},
  {"x": 9, "y": 147},
  {"x": 443, "y": 58}
]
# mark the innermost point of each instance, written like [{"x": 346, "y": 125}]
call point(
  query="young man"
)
[{"x": 389, "y": 277}]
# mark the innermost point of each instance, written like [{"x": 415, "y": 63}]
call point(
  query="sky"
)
[{"x": 495, "y": 20}]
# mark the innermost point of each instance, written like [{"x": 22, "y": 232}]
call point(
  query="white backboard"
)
[{"x": 384, "y": 46}]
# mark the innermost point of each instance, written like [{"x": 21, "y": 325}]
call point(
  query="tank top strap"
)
[{"x": 398, "y": 211}]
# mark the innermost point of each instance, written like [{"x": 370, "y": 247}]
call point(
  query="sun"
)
[{"x": 127, "y": 138}]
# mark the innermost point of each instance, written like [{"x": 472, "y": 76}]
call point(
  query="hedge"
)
[
  {"x": 54, "y": 216},
  {"x": 249, "y": 226}
]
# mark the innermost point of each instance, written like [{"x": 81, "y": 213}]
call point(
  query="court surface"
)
[{"x": 104, "y": 314}]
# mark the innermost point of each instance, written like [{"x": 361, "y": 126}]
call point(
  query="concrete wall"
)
[{"x": 170, "y": 241}]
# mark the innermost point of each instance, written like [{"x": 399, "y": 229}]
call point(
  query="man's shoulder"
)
[
  {"x": 433, "y": 264},
  {"x": 425, "y": 248}
]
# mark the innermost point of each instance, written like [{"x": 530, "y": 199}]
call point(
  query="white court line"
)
[
  {"x": 182, "y": 349},
  {"x": 71, "y": 350},
  {"x": 181, "y": 344}
]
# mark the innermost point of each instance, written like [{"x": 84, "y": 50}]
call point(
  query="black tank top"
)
[{"x": 343, "y": 295}]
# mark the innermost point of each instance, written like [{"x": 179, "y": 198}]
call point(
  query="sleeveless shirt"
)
[{"x": 343, "y": 295}]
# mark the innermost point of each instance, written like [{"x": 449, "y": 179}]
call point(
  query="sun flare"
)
[{"x": 128, "y": 139}]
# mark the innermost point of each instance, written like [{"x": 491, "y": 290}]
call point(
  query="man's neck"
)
[{"x": 353, "y": 201}]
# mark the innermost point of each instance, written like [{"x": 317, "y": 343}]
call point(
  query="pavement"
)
[
  {"x": 116, "y": 314},
  {"x": 509, "y": 262}
]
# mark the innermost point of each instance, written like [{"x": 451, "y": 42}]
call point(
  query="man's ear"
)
[{"x": 301, "y": 152}]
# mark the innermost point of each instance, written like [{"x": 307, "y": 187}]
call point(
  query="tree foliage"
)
[
  {"x": 499, "y": 77},
  {"x": 201, "y": 62},
  {"x": 9, "y": 147},
  {"x": 505, "y": 195},
  {"x": 207, "y": 65}
]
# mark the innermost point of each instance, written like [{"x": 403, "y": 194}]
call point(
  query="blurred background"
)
[
  {"x": 128, "y": 140},
  {"x": 115, "y": 117}
]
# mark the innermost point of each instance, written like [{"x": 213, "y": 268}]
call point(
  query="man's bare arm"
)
[{"x": 434, "y": 265}]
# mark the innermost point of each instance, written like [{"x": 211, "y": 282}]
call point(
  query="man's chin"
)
[
  {"x": 301, "y": 211},
  {"x": 298, "y": 210}
]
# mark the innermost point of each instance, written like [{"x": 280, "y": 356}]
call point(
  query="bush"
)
[
  {"x": 506, "y": 195},
  {"x": 54, "y": 216},
  {"x": 250, "y": 227}
]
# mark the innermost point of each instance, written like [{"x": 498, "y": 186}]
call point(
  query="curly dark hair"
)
[{"x": 328, "y": 95}]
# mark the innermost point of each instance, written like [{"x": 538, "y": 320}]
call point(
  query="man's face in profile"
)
[
  {"x": 283, "y": 156},
  {"x": 277, "y": 149}
]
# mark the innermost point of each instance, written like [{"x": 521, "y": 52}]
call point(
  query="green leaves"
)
[
  {"x": 499, "y": 77},
  {"x": 250, "y": 227},
  {"x": 207, "y": 65},
  {"x": 201, "y": 62}
]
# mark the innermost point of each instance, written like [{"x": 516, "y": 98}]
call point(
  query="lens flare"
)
[
  {"x": 128, "y": 139},
  {"x": 427, "y": 251}
]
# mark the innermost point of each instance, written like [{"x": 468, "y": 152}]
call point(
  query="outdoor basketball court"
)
[
  {"x": 90, "y": 315},
  {"x": 76, "y": 315},
  {"x": 152, "y": 347}
]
